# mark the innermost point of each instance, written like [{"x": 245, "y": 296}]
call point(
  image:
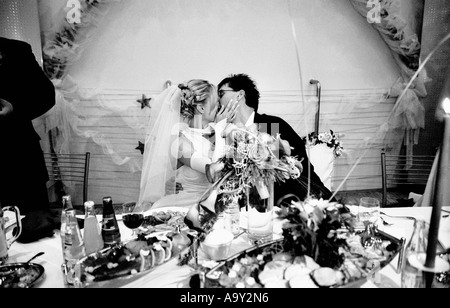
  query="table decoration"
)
[
  {"x": 322, "y": 246},
  {"x": 251, "y": 163}
]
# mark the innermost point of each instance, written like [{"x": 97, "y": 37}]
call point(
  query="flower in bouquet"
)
[
  {"x": 254, "y": 158},
  {"x": 328, "y": 138}
]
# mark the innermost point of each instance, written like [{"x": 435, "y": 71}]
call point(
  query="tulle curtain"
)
[
  {"x": 60, "y": 51},
  {"x": 400, "y": 23}
]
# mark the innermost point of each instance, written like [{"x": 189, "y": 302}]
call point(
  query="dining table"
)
[{"x": 172, "y": 275}]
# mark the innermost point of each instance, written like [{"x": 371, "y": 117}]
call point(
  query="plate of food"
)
[
  {"x": 20, "y": 275},
  {"x": 159, "y": 240},
  {"x": 319, "y": 248},
  {"x": 165, "y": 219}
]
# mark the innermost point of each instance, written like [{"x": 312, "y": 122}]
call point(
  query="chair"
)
[
  {"x": 400, "y": 172},
  {"x": 65, "y": 170}
]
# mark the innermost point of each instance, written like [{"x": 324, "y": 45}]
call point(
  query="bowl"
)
[{"x": 217, "y": 244}]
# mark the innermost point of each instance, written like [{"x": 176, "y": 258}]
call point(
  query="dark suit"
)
[
  {"x": 23, "y": 175},
  {"x": 274, "y": 125}
]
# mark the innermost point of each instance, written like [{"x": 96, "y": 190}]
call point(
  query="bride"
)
[{"x": 183, "y": 137}]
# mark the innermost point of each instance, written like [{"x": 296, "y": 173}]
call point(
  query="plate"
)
[
  {"x": 146, "y": 213},
  {"x": 20, "y": 275},
  {"x": 166, "y": 209},
  {"x": 165, "y": 218},
  {"x": 274, "y": 250}
]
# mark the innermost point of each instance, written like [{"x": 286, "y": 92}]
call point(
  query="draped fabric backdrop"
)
[
  {"x": 109, "y": 120},
  {"x": 400, "y": 26}
]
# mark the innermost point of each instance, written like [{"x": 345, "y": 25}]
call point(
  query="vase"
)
[{"x": 260, "y": 200}]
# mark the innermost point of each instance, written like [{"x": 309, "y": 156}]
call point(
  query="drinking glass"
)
[
  {"x": 369, "y": 210},
  {"x": 132, "y": 216}
]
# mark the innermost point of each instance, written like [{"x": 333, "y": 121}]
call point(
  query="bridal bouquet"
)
[
  {"x": 251, "y": 160},
  {"x": 255, "y": 158}
]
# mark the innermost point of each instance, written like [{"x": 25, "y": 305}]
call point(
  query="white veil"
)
[{"x": 161, "y": 147}]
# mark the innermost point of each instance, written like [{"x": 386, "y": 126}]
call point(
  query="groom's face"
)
[{"x": 226, "y": 94}]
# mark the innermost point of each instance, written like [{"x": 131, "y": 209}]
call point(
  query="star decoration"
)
[
  {"x": 141, "y": 147},
  {"x": 144, "y": 101}
]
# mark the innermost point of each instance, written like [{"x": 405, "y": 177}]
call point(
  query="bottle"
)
[
  {"x": 66, "y": 205},
  {"x": 231, "y": 217},
  {"x": 92, "y": 236},
  {"x": 412, "y": 275},
  {"x": 110, "y": 228},
  {"x": 74, "y": 248}
]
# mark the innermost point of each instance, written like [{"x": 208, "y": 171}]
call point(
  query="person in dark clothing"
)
[
  {"x": 241, "y": 88},
  {"x": 25, "y": 94}
]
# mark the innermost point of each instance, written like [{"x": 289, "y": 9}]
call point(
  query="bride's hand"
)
[{"x": 228, "y": 112}]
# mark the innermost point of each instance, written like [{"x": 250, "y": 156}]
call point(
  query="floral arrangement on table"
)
[
  {"x": 328, "y": 138},
  {"x": 251, "y": 159},
  {"x": 256, "y": 158}
]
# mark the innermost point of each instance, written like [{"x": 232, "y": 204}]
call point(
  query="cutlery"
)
[
  {"x": 401, "y": 217},
  {"x": 35, "y": 256}
]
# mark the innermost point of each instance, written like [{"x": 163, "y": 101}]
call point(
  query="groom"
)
[{"x": 242, "y": 89}]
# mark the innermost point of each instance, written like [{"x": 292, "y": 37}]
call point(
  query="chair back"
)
[
  {"x": 404, "y": 172},
  {"x": 66, "y": 170}
]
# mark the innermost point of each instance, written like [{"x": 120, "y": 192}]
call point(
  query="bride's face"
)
[{"x": 210, "y": 108}]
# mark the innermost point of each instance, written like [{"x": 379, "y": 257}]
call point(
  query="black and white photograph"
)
[{"x": 209, "y": 145}]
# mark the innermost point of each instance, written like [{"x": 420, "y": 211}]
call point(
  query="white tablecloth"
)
[{"x": 171, "y": 275}]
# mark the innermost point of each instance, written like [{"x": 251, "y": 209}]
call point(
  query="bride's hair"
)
[{"x": 195, "y": 92}]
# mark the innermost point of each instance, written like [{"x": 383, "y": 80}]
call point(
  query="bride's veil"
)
[{"x": 161, "y": 147}]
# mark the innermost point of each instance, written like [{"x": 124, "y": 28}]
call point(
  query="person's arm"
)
[
  {"x": 39, "y": 96},
  {"x": 299, "y": 150},
  {"x": 197, "y": 161}
]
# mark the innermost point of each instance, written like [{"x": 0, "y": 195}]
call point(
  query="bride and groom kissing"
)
[{"x": 186, "y": 137}]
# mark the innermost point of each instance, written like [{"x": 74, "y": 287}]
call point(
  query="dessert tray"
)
[
  {"x": 345, "y": 259},
  {"x": 155, "y": 244}
]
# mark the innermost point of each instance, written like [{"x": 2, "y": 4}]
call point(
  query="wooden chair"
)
[
  {"x": 398, "y": 172},
  {"x": 65, "y": 170}
]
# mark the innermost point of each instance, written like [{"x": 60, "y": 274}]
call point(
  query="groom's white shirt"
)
[{"x": 250, "y": 120}]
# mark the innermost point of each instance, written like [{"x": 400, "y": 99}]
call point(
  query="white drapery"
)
[{"x": 399, "y": 24}]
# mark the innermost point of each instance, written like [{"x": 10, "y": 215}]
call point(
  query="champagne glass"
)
[{"x": 132, "y": 216}]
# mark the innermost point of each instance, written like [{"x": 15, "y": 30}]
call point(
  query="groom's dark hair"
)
[{"x": 243, "y": 82}]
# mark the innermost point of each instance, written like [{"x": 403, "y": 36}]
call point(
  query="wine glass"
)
[{"x": 132, "y": 216}]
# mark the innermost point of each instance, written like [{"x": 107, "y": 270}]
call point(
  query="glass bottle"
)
[
  {"x": 412, "y": 275},
  {"x": 110, "y": 228},
  {"x": 92, "y": 236},
  {"x": 66, "y": 205},
  {"x": 73, "y": 245},
  {"x": 231, "y": 218}
]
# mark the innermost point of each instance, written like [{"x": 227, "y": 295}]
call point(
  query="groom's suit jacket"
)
[{"x": 274, "y": 125}]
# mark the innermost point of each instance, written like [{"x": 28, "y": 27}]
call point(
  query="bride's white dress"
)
[{"x": 194, "y": 183}]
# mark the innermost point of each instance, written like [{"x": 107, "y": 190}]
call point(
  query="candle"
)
[{"x": 440, "y": 189}]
